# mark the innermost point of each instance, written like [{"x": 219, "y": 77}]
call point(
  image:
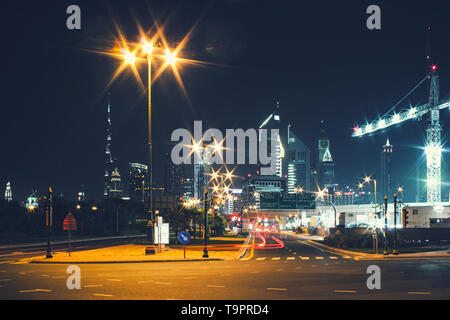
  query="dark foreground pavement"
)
[{"x": 282, "y": 268}]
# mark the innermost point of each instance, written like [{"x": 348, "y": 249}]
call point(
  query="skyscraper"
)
[
  {"x": 8, "y": 192},
  {"x": 386, "y": 177},
  {"x": 274, "y": 121},
  {"x": 324, "y": 163},
  {"x": 115, "y": 190},
  {"x": 173, "y": 175},
  {"x": 202, "y": 169},
  {"x": 108, "y": 157},
  {"x": 299, "y": 167},
  {"x": 138, "y": 181}
]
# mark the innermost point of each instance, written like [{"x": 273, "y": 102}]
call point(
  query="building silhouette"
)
[
  {"x": 138, "y": 183},
  {"x": 8, "y": 192},
  {"x": 299, "y": 166},
  {"x": 109, "y": 163}
]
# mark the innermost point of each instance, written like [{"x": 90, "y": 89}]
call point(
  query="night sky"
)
[{"x": 317, "y": 58}]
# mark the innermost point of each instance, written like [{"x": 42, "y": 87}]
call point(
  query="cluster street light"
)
[{"x": 149, "y": 49}]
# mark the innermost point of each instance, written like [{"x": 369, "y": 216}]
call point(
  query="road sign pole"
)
[
  {"x": 395, "y": 251},
  {"x": 386, "y": 252},
  {"x": 205, "y": 248},
  {"x": 50, "y": 222}
]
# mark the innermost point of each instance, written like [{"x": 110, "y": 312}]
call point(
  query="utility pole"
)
[
  {"x": 49, "y": 216},
  {"x": 395, "y": 251},
  {"x": 386, "y": 252},
  {"x": 205, "y": 247}
]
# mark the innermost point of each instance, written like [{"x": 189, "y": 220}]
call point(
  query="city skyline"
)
[{"x": 85, "y": 134}]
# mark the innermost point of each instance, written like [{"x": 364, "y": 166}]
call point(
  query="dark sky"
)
[{"x": 316, "y": 57}]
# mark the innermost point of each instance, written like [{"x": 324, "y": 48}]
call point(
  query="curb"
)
[
  {"x": 371, "y": 256},
  {"x": 126, "y": 261},
  {"x": 246, "y": 246}
]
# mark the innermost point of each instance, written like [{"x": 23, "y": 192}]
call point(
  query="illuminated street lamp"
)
[{"x": 148, "y": 49}]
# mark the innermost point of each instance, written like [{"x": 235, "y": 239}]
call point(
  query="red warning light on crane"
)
[{"x": 434, "y": 67}]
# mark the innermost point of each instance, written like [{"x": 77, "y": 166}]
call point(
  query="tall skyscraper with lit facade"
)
[
  {"x": 115, "y": 190},
  {"x": 324, "y": 162},
  {"x": 202, "y": 170},
  {"x": 173, "y": 176},
  {"x": 138, "y": 183},
  {"x": 8, "y": 192},
  {"x": 108, "y": 156},
  {"x": 386, "y": 174},
  {"x": 299, "y": 166},
  {"x": 274, "y": 121}
]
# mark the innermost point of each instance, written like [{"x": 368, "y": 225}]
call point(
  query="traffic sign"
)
[
  {"x": 70, "y": 223},
  {"x": 279, "y": 201},
  {"x": 184, "y": 237}
]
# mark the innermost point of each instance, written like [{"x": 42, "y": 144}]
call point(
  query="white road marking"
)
[
  {"x": 279, "y": 270},
  {"x": 1, "y": 262},
  {"x": 319, "y": 258},
  {"x": 344, "y": 291},
  {"x": 276, "y": 289},
  {"x": 116, "y": 280},
  {"x": 304, "y": 258},
  {"x": 45, "y": 275},
  {"x": 276, "y": 258},
  {"x": 347, "y": 257},
  {"x": 164, "y": 283},
  {"x": 214, "y": 286},
  {"x": 36, "y": 290},
  {"x": 290, "y": 258},
  {"x": 333, "y": 257},
  {"x": 58, "y": 277},
  {"x": 102, "y": 295},
  {"x": 259, "y": 259},
  {"x": 297, "y": 268},
  {"x": 418, "y": 292},
  {"x": 189, "y": 278},
  {"x": 254, "y": 271},
  {"x": 93, "y": 286}
]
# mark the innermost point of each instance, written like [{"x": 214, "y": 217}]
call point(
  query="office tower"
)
[
  {"x": 8, "y": 192},
  {"x": 187, "y": 189},
  {"x": 274, "y": 121},
  {"x": 299, "y": 167},
  {"x": 138, "y": 183},
  {"x": 324, "y": 163},
  {"x": 173, "y": 175},
  {"x": 386, "y": 175},
  {"x": 115, "y": 190},
  {"x": 202, "y": 171},
  {"x": 108, "y": 156}
]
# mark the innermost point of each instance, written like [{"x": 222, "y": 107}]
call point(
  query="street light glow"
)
[
  {"x": 171, "y": 57},
  {"x": 129, "y": 57}
]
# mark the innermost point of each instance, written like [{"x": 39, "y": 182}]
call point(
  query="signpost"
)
[
  {"x": 70, "y": 224},
  {"x": 184, "y": 238}
]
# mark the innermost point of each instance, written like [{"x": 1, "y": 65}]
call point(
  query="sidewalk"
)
[
  {"x": 136, "y": 254},
  {"x": 368, "y": 256}
]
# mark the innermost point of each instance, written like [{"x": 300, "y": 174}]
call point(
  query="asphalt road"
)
[{"x": 278, "y": 268}]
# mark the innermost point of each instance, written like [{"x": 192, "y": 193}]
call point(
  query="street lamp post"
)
[
  {"x": 205, "y": 247},
  {"x": 49, "y": 223},
  {"x": 386, "y": 252},
  {"x": 395, "y": 251}
]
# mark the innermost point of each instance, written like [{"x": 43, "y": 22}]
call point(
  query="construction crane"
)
[{"x": 433, "y": 147}]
